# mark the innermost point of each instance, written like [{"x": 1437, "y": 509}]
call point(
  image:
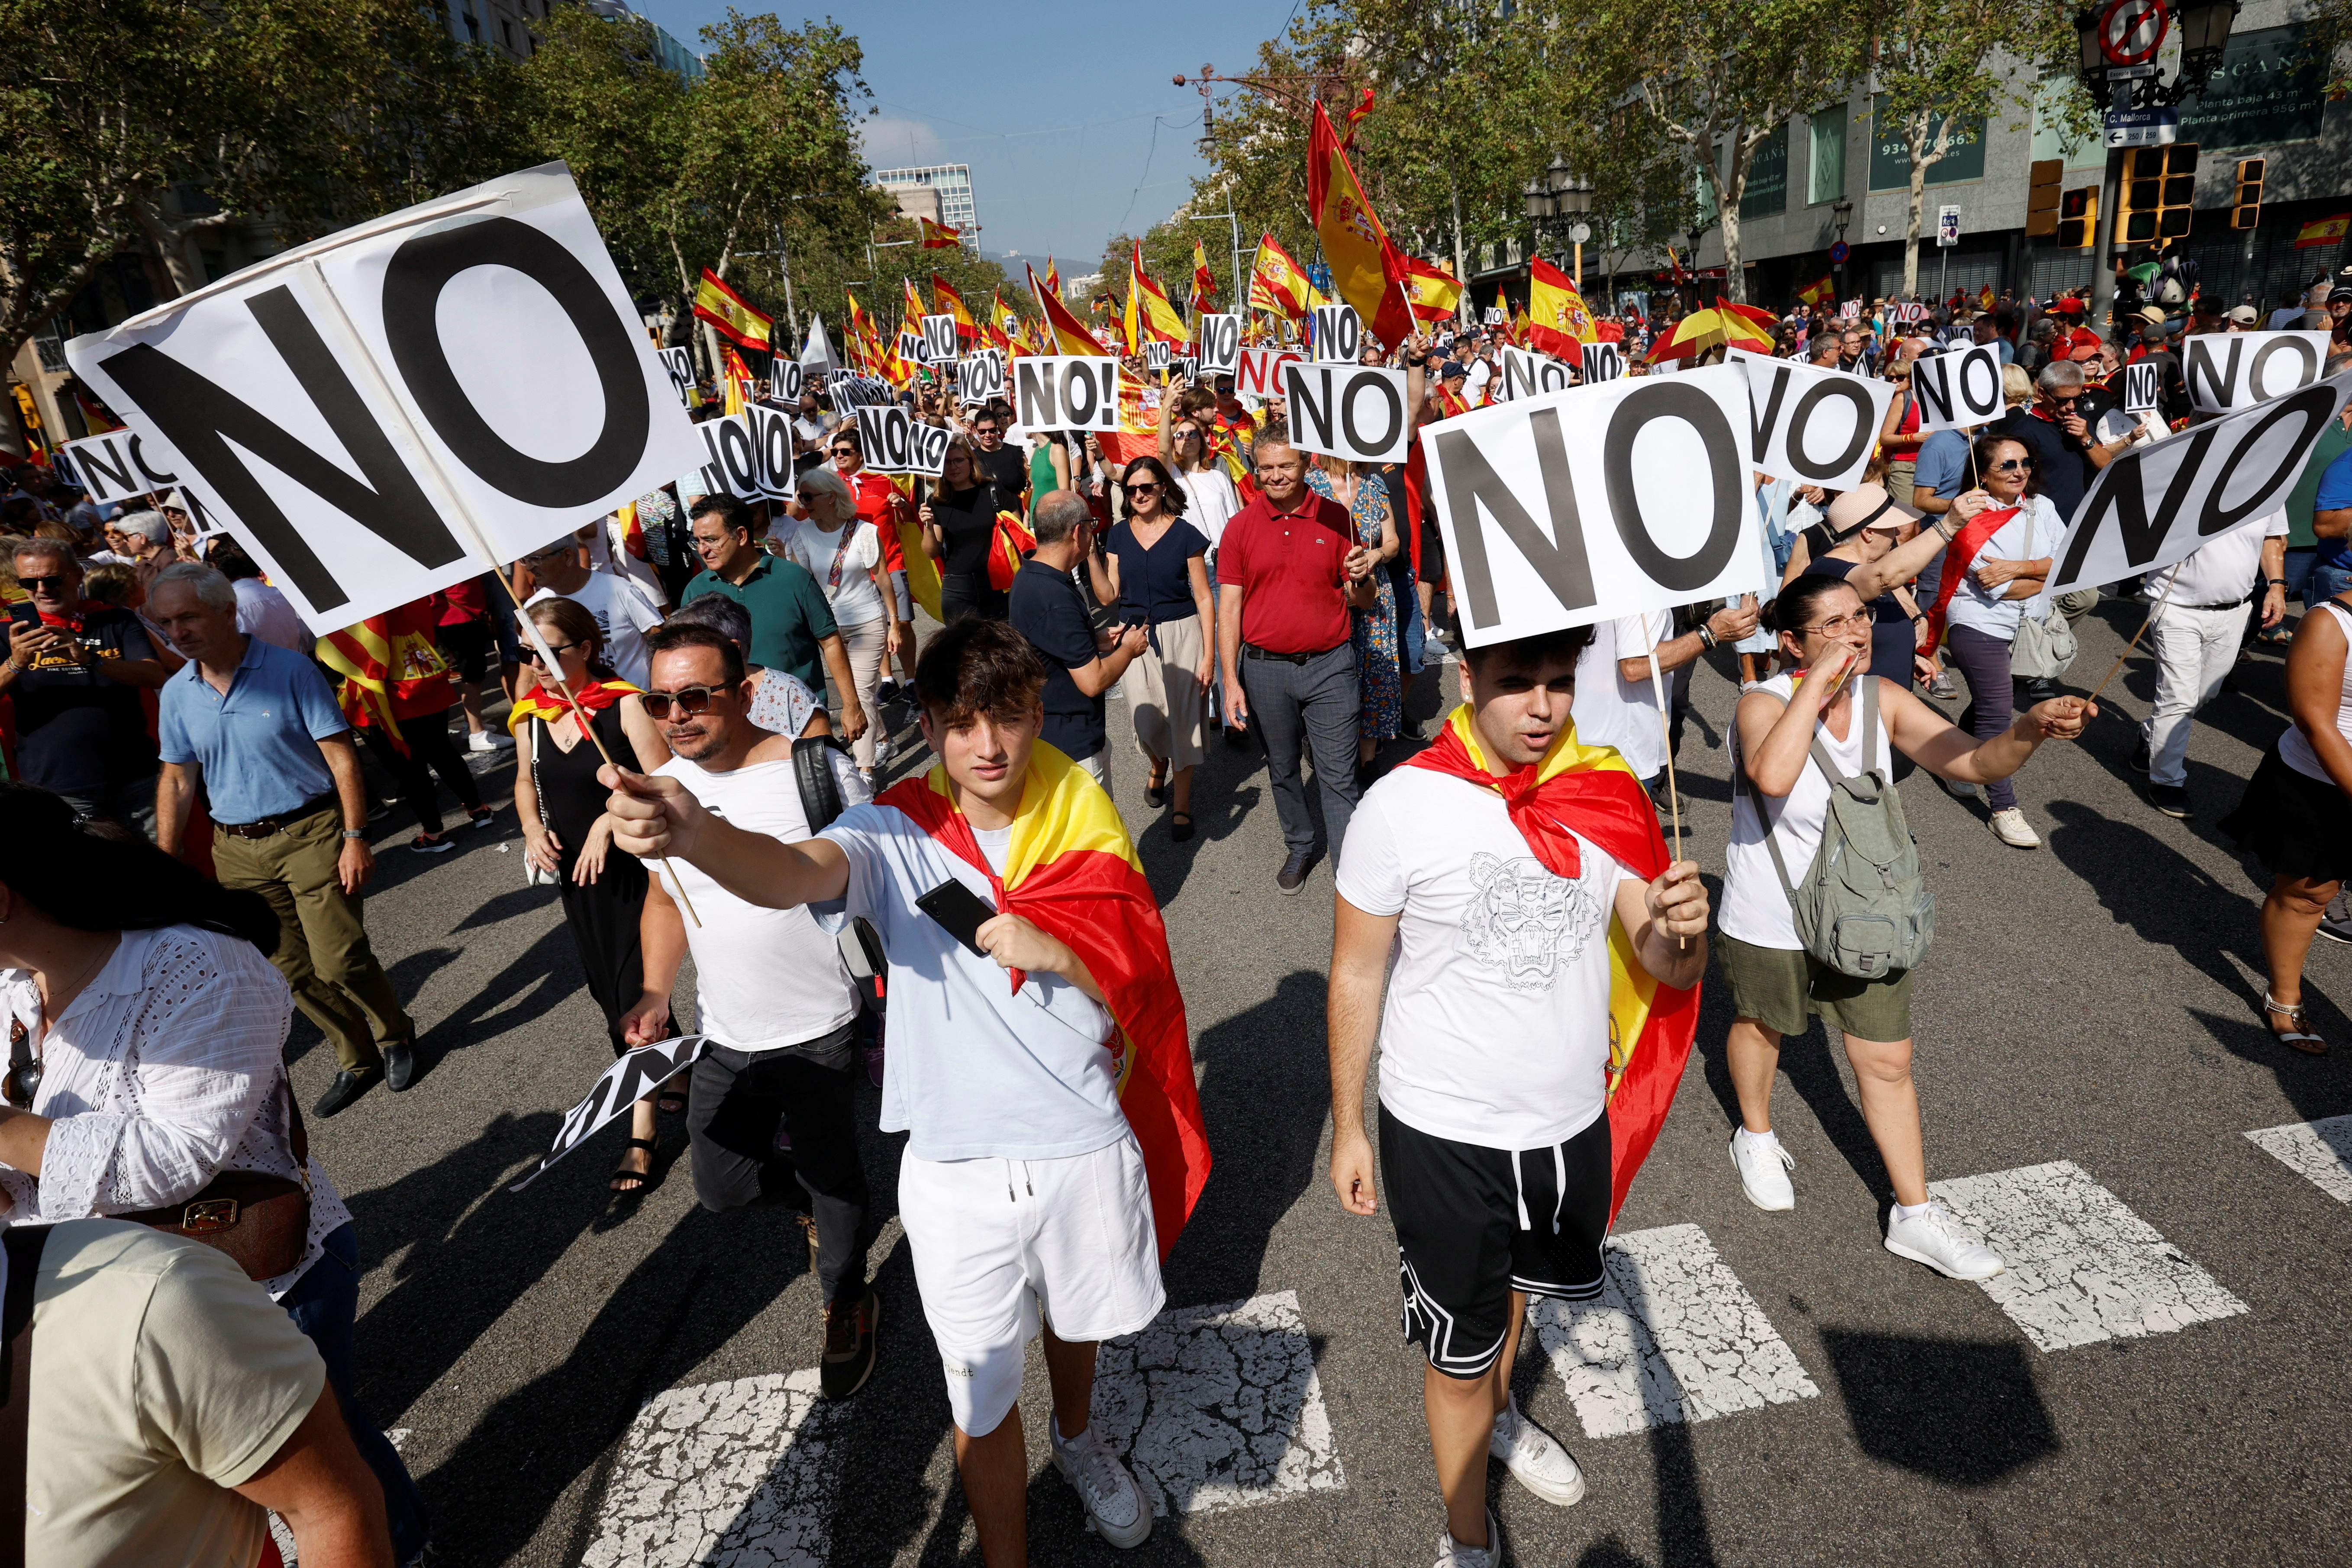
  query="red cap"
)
[
  {"x": 2070, "y": 306},
  {"x": 2082, "y": 338}
]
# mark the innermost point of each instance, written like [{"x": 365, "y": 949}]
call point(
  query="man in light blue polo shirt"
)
[{"x": 258, "y": 728}]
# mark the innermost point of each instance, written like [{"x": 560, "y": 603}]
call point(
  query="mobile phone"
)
[
  {"x": 25, "y": 614},
  {"x": 958, "y": 910}
]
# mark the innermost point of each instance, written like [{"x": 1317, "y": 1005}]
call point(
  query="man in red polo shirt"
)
[
  {"x": 1288, "y": 570},
  {"x": 881, "y": 502}
]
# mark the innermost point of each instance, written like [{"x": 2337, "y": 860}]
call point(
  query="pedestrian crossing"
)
[{"x": 2320, "y": 1151}]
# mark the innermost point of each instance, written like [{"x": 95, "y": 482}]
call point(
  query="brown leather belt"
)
[{"x": 272, "y": 825}]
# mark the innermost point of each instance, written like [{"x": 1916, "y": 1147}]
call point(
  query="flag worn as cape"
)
[
  {"x": 1558, "y": 323},
  {"x": 1958, "y": 557},
  {"x": 1590, "y": 789},
  {"x": 1071, "y": 870},
  {"x": 391, "y": 668},
  {"x": 1011, "y": 542},
  {"x": 1355, "y": 247},
  {"x": 1276, "y": 283},
  {"x": 730, "y": 313}
]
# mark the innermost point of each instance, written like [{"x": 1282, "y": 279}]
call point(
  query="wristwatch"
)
[
  {"x": 2275, "y": 582},
  {"x": 356, "y": 832}
]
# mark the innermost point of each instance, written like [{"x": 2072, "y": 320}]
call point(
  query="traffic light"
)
[
  {"x": 2042, "y": 198},
  {"x": 2159, "y": 192},
  {"x": 2078, "y": 218},
  {"x": 2247, "y": 210}
]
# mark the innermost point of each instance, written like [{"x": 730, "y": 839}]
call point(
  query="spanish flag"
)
[
  {"x": 730, "y": 313},
  {"x": 539, "y": 703},
  {"x": 1821, "y": 291},
  {"x": 1069, "y": 334},
  {"x": 1355, "y": 247},
  {"x": 1985, "y": 301},
  {"x": 1013, "y": 540},
  {"x": 1204, "y": 282},
  {"x": 1151, "y": 319},
  {"x": 2323, "y": 231},
  {"x": 1001, "y": 325},
  {"x": 1589, "y": 789},
  {"x": 1276, "y": 282},
  {"x": 913, "y": 310},
  {"x": 388, "y": 662},
  {"x": 946, "y": 301},
  {"x": 1432, "y": 289},
  {"x": 1558, "y": 323},
  {"x": 1053, "y": 276},
  {"x": 1071, "y": 870},
  {"x": 939, "y": 237}
]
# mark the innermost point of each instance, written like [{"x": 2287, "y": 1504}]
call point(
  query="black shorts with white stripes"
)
[{"x": 1473, "y": 1224}]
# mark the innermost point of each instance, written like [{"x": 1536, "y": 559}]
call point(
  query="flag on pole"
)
[
  {"x": 1820, "y": 291},
  {"x": 1149, "y": 316},
  {"x": 1276, "y": 282},
  {"x": 1053, "y": 276},
  {"x": 1069, "y": 335},
  {"x": 946, "y": 301},
  {"x": 730, "y": 313},
  {"x": 1365, "y": 267},
  {"x": 1204, "y": 282},
  {"x": 1363, "y": 107},
  {"x": 2323, "y": 231},
  {"x": 939, "y": 237},
  {"x": 1558, "y": 323},
  {"x": 1432, "y": 289},
  {"x": 1001, "y": 325}
]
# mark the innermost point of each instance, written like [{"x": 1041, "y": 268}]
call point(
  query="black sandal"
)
[
  {"x": 1156, "y": 791},
  {"x": 671, "y": 1102},
  {"x": 1179, "y": 827},
  {"x": 644, "y": 1178}
]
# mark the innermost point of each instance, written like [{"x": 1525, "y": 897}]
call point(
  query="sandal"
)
[
  {"x": 642, "y": 1178},
  {"x": 1156, "y": 791},
  {"x": 1179, "y": 827},
  {"x": 670, "y": 1101},
  {"x": 2295, "y": 1035}
]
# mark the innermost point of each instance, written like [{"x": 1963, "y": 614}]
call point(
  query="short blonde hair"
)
[
  {"x": 2016, "y": 386},
  {"x": 831, "y": 483}
]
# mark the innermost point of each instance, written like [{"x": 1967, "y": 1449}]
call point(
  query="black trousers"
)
[
  {"x": 604, "y": 918},
  {"x": 429, "y": 752},
  {"x": 736, "y": 1102}
]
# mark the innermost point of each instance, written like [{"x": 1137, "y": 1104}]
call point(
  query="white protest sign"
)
[
  {"x": 1338, "y": 334},
  {"x": 1493, "y": 317},
  {"x": 1155, "y": 356},
  {"x": 1528, "y": 374},
  {"x": 1911, "y": 311},
  {"x": 2234, "y": 370},
  {"x": 113, "y": 468},
  {"x": 785, "y": 381},
  {"x": 730, "y": 457},
  {"x": 910, "y": 347},
  {"x": 679, "y": 364},
  {"x": 1219, "y": 343},
  {"x": 895, "y": 441},
  {"x": 1066, "y": 392},
  {"x": 1259, "y": 372},
  {"x": 1851, "y": 311},
  {"x": 817, "y": 357},
  {"x": 1357, "y": 411},
  {"x": 771, "y": 443},
  {"x": 939, "y": 339},
  {"x": 2157, "y": 503},
  {"x": 1808, "y": 424},
  {"x": 357, "y": 407},
  {"x": 1602, "y": 363},
  {"x": 860, "y": 391},
  {"x": 2143, "y": 383},
  {"x": 980, "y": 378},
  {"x": 1960, "y": 388},
  {"x": 1608, "y": 500},
  {"x": 633, "y": 1075}
]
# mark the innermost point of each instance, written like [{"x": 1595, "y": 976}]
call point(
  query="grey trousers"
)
[{"x": 1313, "y": 706}]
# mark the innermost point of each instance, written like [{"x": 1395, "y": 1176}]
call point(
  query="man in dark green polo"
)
[{"x": 792, "y": 628}]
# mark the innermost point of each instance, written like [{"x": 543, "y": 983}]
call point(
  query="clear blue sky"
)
[{"x": 1054, "y": 115}]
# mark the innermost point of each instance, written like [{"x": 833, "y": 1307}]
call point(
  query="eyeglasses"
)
[
  {"x": 24, "y": 1079},
  {"x": 1188, "y": 435},
  {"x": 1842, "y": 623},
  {"x": 690, "y": 700},
  {"x": 2009, "y": 465},
  {"x": 558, "y": 649},
  {"x": 1149, "y": 487},
  {"x": 56, "y": 584},
  {"x": 985, "y": 430}
]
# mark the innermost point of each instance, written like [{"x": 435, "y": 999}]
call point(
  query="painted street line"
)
[
  {"x": 2321, "y": 1151},
  {"x": 1218, "y": 1407},
  {"x": 726, "y": 1475},
  {"x": 2081, "y": 1266},
  {"x": 1674, "y": 1337}
]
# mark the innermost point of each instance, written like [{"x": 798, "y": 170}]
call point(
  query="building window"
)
[
  {"x": 506, "y": 31},
  {"x": 1825, "y": 166}
]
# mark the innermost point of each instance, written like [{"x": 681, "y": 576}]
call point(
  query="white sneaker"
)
[
  {"x": 489, "y": 740},
  {"x": 1764, "y": 1167},
  {"x": 1931, "y": 1237},
  {"x": 1111, "y": 1498},
  {"x": 1536, "y": 1458},
  {"x": 1452, "y": 1553},
  {"x": 2012, "y": 829}
]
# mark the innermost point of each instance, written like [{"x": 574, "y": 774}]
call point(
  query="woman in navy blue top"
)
[{"x": 1158, "y": 569}]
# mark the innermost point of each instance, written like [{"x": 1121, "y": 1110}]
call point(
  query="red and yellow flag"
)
[
  {"x": 1011, "y": 541},
  {"x": 1069, "y": 335},
  {"x": 939, "y": 237},
  {"x": 1071, "y": 870},
  {"x": 540, "y": 702},
  {"x": 1053, "y": 275},
  {"x": 1590, "y": 789},
  {"x": 1432, "y": 289},
  {"x": 1558, "y": 323},
  {"x": 1204, "y": 282},
  {"x": 1985, "y": 301},
  {"x": 1151, "y": 319},
  {"x": 946, "y": 301},
  {"x": 1276, "y": 282},
  {"x": 392, "y": 668},
  {"x": 1364, "y": 270},
  {"x": 1820, "y": 291},
  {"x": 2323, "y": 231},
  {"x": 730, "y": 313},
  {"x": 1001, "y": 325}
]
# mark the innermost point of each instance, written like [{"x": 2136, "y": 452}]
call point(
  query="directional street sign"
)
[{"x": 2142, "y": 127}]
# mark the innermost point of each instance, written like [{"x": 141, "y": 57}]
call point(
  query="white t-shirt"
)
[
  {"x": 262, "y": 612},
  {"x": 764, "y": 978},
  {"x": 1755, "y": 905},
  {"x": 2033, "y": 533},
  {"x": 975, "y": 1069},
  {"x": 1495, "y": 1031},
  {"x": 1611, "y": 710},
  {"x": 1210, "y": 501},
  {"x": 1481, "y": 373},
  {"x": 624, "y": 616},
  {"x": 859, "y": 548},
  {"x": 2223, "y": 569},
  {"x": 607, "y": 552}
]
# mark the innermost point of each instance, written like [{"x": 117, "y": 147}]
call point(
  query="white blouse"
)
[{"x": 163, "y": 1073}]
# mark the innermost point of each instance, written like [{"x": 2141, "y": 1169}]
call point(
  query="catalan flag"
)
[
  {"x": 2323, "y": 231},
  {"x": 1071, "y": 870},
  {"x": 730, "y": 313},
  {"x": 939, "y": 237},
  {"x": 392, "y": 669},
  {"x": 1558, "y": 323}
]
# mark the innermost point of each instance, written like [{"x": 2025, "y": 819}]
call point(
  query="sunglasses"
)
[
  {"x": 56, "y": 584},
  {"x": 2009, "y": 465},
  {"x": 24, "y": 1079},
  {"x": 690, "y": 700},
  {"x": 558, "y": 649},
  {"x": 844, "y": 452},
  {"x": 1149, "y": 487}
]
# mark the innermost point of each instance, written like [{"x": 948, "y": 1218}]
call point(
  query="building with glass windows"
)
[{"x": 953, "y": 184}]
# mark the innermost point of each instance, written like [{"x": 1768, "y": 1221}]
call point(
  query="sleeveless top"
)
[
  {"x": 1890, "y": 637},
  {"x": 2294, "y": 748},
  {"x": 570, "y": 799},
  {"x": 1755, "y": 905}
]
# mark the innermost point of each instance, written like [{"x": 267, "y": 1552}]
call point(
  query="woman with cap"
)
[{"x": 1867, "y": 551}]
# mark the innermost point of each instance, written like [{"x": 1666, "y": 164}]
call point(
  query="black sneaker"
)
[
  {"x": 885, "y": 692},
  {"x": 849, "y": 1344},
  {"x": 431, "y": 843},
  {"x": 2172, "y": 799},
  {"x": 347, "y": 1087},
  {"x": 1292, "y": 874},
  {"x": 2139, "y": 762}
]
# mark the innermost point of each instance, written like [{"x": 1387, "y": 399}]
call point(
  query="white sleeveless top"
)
[
  {"x": 2294, "y": 749},
  {"x": 1755, "y": 905}
]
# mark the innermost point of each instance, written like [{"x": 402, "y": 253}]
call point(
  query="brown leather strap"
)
[{"x": 24, "y": 1244}]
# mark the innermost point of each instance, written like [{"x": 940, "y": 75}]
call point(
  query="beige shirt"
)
[{"x": 161, "y": 1377}]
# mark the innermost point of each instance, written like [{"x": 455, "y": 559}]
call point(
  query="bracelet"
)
[
  {"x": 2275, "y": 582},
  {"x": 1706, "y": 638},
  {"x": 356, "y": 832}
]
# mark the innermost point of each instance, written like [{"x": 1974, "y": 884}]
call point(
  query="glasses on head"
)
[
  {"x": 55, "y": 583},
  {"x": 1149, "y": 487},
  {"x": 2011, "y": 465},
  {"x": 24, "y": 1079},
  {"x": 1832, "y": 627},
  {"x": 690, "y": 700},
  {"x": 558, "y": 649}
]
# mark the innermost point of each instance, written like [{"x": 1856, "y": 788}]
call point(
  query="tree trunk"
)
[
  {"x": 170, "y": 246},
  {"x": 1921, "y": 158}
]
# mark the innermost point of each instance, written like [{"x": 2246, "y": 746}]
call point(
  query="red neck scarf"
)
[
  {"x": 1958, "y": 556},
  {"x": 543, "y": 704},
  {"x": 1575, "y": 788}
]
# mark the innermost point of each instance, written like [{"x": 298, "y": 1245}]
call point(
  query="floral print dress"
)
[{"x": 1379, "y": 673}]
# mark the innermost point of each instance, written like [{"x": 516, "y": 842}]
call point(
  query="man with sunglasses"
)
[
  {"x": 76, "y": 670},
  {"x": 998, "y": 463},
  {"x": 624, "y": 614},
  {"x": 2058, "y": 434},
  {"x": 792, "y": 628}
]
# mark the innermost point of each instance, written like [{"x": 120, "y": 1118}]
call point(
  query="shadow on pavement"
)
[{"x": 1963, "y": 1412}]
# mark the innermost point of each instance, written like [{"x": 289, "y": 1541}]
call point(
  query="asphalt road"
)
[{"x": 2163, "y": 1381}]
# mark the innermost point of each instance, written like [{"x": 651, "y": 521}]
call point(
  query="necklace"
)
[{"x": 74, "y": 989}]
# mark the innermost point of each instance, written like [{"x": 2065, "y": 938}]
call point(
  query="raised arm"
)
[{"x": 655, "y": 816}]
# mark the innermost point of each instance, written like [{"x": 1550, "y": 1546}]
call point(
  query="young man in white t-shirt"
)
[
  {"x": 1022, "y": 1189},
  {"x": 624, "y": 614},
  {"x": 770, "y": 990},
  {"x": 1495, "y": 1041}
]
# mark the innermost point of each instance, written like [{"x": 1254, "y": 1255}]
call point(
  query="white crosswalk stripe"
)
[
  {"x": 1218, "y": 1407},
  {"x": 1674, "y": 1337},
  {"x": 2321, "y": 1151},
  {"x": 2081, "y": 1266},
  {"x": 724, "y": 1475}
]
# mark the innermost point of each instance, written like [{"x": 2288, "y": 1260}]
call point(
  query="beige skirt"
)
[{"x": 1169, "y": 704}]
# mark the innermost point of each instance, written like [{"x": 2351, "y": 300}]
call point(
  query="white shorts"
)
[{"x": 997, "y": 1242}]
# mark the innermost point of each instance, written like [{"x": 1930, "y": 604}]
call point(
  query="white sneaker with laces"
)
[
  {"x": 1535, "y": 1457},
  {"x": 489, "y": 740},
  {"x": 1109, "y": 1495},
  {"x": 1764, "y": 1167},
  {"x": 1452, "y": 1553},
  {"x": 2010, "y": 828},
  {"x": 1933, "y": 1237}
]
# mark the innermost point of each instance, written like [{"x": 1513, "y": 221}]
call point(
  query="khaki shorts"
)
[{"x": 1785, "y": 988}]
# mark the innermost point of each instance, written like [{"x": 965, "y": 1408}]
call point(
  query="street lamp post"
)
[
  {"x": 1555, "y": 201},
  {"x": 1841, "y": 214}
]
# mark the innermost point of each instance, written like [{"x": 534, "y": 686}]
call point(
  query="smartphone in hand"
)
[{"x": 960, "y": 911}]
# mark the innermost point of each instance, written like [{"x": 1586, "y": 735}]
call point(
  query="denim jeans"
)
[
  {"x": 1413, "y": 628},
  {"x": 2326, "y": 582},
  {"x": 323, "y": 1304}
]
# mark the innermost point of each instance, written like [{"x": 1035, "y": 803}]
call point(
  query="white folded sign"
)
[
  {"x": 2155, "y": 504},
  {"x": 1339, "y": 335},
  {"x": 981, "y": 377},
  {"x": 1808, "y": 424},
  {"x": 1219, "y": 337},
  {"x": 896, "y": 441},
  {"x": 1574, "y": 507},
  {"x": 1356, "y": 412},
  {"x": 771, "y": 439},
  {"x": 1525, "y": 375},
  {"x": 939, "y": 339},
  {"x": 353, "y": 406},
  {"x": 730, "y": 457},
  {"x": 2233, "y": 369},
  {"x": 633, "y": 1075}
]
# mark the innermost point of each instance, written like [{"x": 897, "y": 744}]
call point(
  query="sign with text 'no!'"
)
[
  {"x": 1812, "y": 425},
  {"x": 1575, "y": 506},
  {"x": 1066, "y": 392},
  {"x": 407, "y": 403}
]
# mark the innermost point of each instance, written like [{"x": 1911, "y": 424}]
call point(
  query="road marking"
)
[
  {"x": 1218, "y": 1407},
  {"x": 726, "y": 1475},
  {"x": 2321, "y": 1151},
  {"x": 1674, "y": 1337},
  {"x": 2081, "y": 1266}
]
